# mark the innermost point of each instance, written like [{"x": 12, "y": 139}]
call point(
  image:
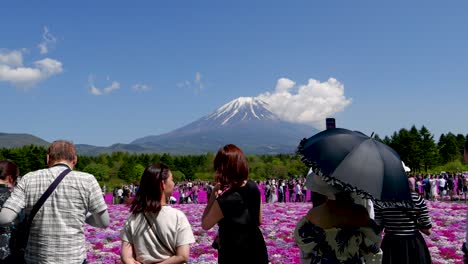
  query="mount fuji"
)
[{"x": 245, "y": 121}]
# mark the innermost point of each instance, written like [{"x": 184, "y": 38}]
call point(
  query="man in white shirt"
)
[
  {"x": 298, "y": 191},
  {"x": 56, "y": 232},
  {"x": 442, "y": 182},
  {"x": 120, "y": 195}
]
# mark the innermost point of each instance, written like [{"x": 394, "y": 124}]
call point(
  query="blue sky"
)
[{"x": 104, "y": 72}]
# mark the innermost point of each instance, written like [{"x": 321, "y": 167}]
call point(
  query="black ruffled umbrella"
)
[{"x": 357, "y": 163}]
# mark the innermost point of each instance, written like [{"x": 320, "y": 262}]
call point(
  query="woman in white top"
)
[
  {"x": 155, "y": 232},
  {"x": 433, "y": 182},
  {"x": 273, "y": 196}
]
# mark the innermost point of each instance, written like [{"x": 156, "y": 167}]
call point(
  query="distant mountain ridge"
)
[
  {"x": 8, "y": 140},
  {"x": 245, "y": 121}
]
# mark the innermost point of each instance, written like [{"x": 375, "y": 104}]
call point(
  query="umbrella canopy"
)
[{"x": 357, "y": 162}]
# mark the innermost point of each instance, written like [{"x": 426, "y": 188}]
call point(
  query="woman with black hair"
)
[
  {"x": 154, "y": 231},
  {"x": 403, "y": 242}
]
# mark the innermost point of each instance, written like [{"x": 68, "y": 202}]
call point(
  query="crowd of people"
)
[
  {"x": 123, "y": 194},
  {"x": 442, "y": 186},
  {"x": 340, "y": 227},
  {"x": 187, "y": 192},
  {"x": 274, "y": 190},
  {"x": 433, "y": 187}
]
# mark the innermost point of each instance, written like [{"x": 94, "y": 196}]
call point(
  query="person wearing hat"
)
[{"x": 337, "y": 231}]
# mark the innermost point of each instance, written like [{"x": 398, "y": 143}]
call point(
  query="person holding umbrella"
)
[
  {"x": 371, "y": 169},
  {"x": 337, "y": 231}
]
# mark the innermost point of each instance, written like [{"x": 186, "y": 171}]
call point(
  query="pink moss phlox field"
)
[{"x": 279, "y": 220}]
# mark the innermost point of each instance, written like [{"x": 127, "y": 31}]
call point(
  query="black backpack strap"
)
[{"x": 46, "y": 195}]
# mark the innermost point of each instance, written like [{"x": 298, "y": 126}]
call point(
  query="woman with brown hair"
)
[
  {"x": 235, "y": 205},
  {"x": 154, "y": 231}
]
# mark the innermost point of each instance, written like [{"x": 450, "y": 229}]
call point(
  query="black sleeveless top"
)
[{"x": 240, "y": 239}]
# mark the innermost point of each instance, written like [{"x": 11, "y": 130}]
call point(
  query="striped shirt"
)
[
  {"x": 403, "y": 222},
  {"x": 57, "y": 233}
]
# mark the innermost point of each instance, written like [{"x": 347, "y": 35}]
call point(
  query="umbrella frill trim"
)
[
  {"x": 363, "y": 194},
  {"x": 347, "y": 187}
]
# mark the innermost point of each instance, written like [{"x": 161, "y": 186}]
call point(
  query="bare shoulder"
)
[
  {"x": 321, "y": 217},
  {"x": 314, "y": 214},
  {"x": 353, "y": 216}
]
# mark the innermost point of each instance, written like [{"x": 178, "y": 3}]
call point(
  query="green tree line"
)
[
  {"x": 419, "y": 150},
  {"x": 416, "y": 147},
  {"x": 120, "y": 168}
]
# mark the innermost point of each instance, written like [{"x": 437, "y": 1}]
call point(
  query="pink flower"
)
[{"x": 279, "y": 221}]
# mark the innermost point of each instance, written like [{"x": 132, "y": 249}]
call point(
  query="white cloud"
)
[
  {"x": 309, "y": 104},
  {"x": 114, "y": 86},
  {"x": 101, "y": 91},
  {"x": 13, "y": 71},
  {"x": 12, "y": 59},
  {"x": 197, "y": 84},
  {"x": 42, "y": 48},
  {"x": 95, "y": 90},
  {"x": 184, "y": 84},
  {"x": 49, "y": 66},
  {"x": 48, "y": 41},
  {"x": 141, "y": 87},
  {"x": 198, "y": 77},
  {"x": 284, "y": 84}
]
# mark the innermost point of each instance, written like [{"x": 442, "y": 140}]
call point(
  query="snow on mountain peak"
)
[{"x": 242, "y": 108}]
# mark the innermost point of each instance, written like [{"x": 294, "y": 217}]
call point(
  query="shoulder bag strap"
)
[
  {"x": 46, "y": 195},
  {"x": 157, "y": 236}
]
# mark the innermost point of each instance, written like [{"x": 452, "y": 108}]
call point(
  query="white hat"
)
[{"x": 316, "y": 184}]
